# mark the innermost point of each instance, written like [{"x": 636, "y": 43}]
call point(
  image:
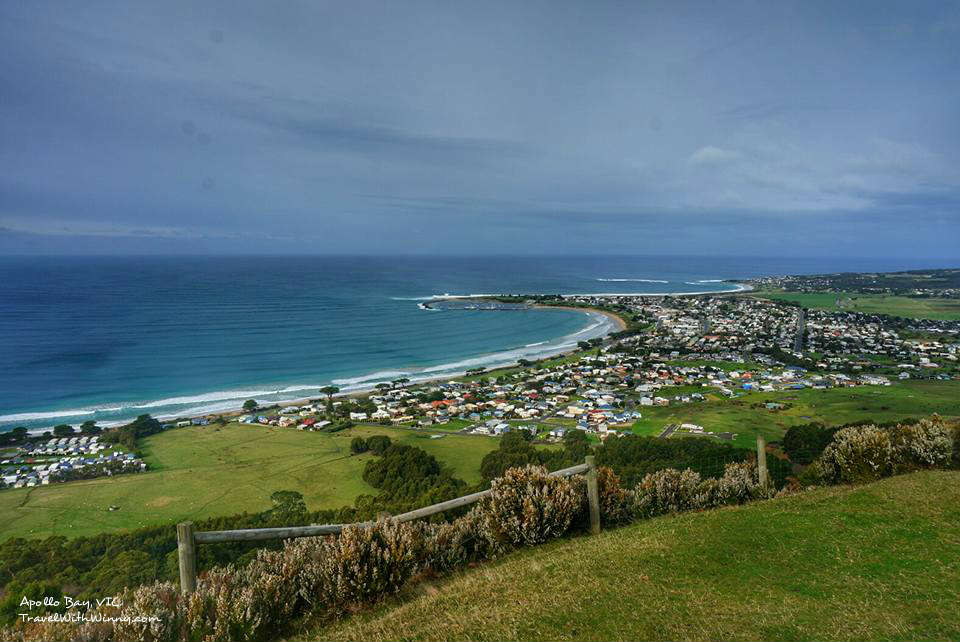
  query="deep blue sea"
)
[{"x": 110, "y": 338}]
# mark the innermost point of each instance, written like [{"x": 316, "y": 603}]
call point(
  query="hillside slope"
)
[{"x": 874, "y": 562}]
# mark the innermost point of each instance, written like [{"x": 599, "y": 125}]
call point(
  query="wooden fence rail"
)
[{"x": 187, "y": 538}]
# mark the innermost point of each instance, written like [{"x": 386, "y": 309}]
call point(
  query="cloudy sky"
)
[{"x": 768, "y": 128}]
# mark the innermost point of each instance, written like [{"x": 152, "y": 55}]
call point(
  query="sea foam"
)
[{"x": 635, "y": 280}]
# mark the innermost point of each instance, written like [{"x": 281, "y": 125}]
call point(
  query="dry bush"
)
[
  {"x": 926, "y": 444},
  {"x": 867, "y": 453},
  {"x": 362, "y": 564},
  {"x": 456, "y": 544},
  {"x": 527, "y": 506},
  {"x": 667, "y": 491},
  {"x": 616, "y": 502},
  {"x": 739, "y": 484}
]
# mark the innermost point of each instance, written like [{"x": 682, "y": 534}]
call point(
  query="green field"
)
[
  {"x": 900, "y": 306},
  {"x": 833, "y": 406},
  {"x": 211, "y": 471},
  {"x": 876, "y": 562}
]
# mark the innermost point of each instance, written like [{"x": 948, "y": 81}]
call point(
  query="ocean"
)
[{"x": 109, "y": 338}]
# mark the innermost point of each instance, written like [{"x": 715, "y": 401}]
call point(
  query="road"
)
[
  {"x": 668, "y": 430},
  {"x": 798, "y": 341}
]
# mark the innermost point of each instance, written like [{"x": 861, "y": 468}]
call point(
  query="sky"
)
[{"x": 481, "y": 127}]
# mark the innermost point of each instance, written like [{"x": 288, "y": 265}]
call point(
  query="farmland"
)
[
  {"x": 214, "y": 471},
  {"x": 747, "y": 416},
  {"x": 899, "y": 306}
]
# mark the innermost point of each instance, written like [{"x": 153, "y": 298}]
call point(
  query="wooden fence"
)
[{"x": 187, "y": 538}]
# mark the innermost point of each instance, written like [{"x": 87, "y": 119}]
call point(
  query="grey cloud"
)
[{"x": 551, "y": 122}]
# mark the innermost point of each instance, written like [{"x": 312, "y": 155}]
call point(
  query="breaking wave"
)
[{"x": 634, "y": 280}]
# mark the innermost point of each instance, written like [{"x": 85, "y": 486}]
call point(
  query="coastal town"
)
[
  {"x": 690, "y": 350},
  {"x": 674, "y": 351}
]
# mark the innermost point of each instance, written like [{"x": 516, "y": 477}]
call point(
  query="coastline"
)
[
  {"x": 616, "y": 322},
  {"x": 232, "y": 408},
  {"x": 620, "y": 323}
]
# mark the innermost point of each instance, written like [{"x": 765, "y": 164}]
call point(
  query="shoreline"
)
[
  {"x": 362, "y": 389},
  {"x": 618, "y": 324},
  {"x": 621, "y": 324}
]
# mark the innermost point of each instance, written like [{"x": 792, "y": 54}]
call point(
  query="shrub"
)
[
  {"x": 857, "y": 454},
  {"x": 161, "y": 599},
  {"x": 866, "y": 453},
  {"x": 456, "y": 544},
  {"x": 527, "y": 506},
  {"x": 740, "y": 484},
  {"x": 925, "y": 444},
  {"x": 362, "y": 564},
  {"x": 273, "y": 577},
  {"x": 956, "y": 445},
  {"x": 667, "y": 491},
  {"x": 616, "y": 502}
]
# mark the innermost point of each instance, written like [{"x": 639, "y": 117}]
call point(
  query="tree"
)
[
  {"x": 358, "y": 445},
  {"x": 288, "y": 505},
  {"x": 63, "y": 430},
  {"x": 90, "y": 427},
  {"x": 250, "y": 404},
  {"x": 378, "y": 444},
  {"x": 576, "y": 446},
  {"x": 329, "y": 391}
]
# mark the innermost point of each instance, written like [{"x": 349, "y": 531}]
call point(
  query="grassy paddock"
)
[
  {"x": 876, "y": 562},
  {"x": 831, "y": 407},
  {"x": 206, "y": 471},
  {"x": 900, "y": 306}
]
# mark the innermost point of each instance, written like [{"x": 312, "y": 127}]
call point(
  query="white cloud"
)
[{"x": 711, "y": 155}]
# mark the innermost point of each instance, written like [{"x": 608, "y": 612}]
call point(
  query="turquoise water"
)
[{"x": 111, "y": 338}]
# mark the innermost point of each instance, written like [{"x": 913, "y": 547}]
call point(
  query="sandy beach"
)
[{"x": 621, "y": 324}]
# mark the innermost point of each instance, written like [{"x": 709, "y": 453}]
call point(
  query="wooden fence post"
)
[
  {"x": 187, "y": 554},
  {"x": 762, "y": 461},
  {"x": 593, "y": 496}
]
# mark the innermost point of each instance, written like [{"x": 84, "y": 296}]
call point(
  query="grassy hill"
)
[
  {"x": 206, "y": 471},
  {"x": 874, "y": 562}
]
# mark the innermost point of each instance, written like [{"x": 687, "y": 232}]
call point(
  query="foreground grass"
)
[
  {"x": 899, "y": 306},
  {"x": 208, "y": 471},
  {"x": 834, "y": 406},
  {"x": 867, "y": 563}
]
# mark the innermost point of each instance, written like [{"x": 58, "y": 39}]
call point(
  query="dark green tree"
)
[
  {"x": 90, "y": 427},
  {"x": 329, "y": 391},
  {"x": 288, "y": 505},
  {"x": 62, "y": 430},
  {"x": 378, "y": 444},
  {"x": 576, "y": 446}
]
